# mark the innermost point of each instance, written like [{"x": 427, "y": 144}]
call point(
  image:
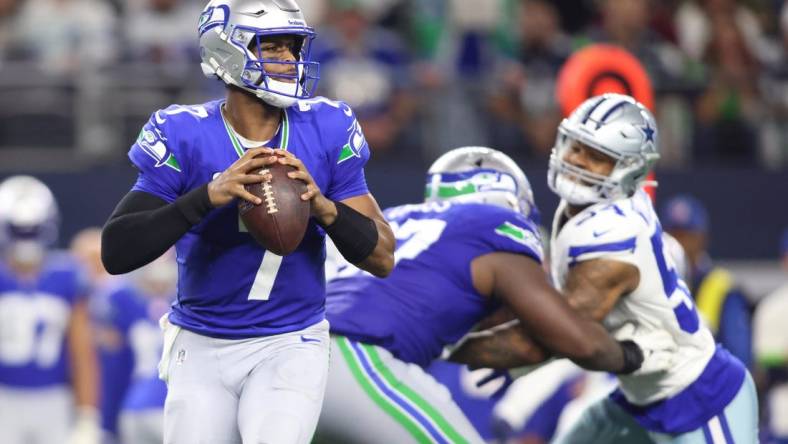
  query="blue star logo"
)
[{"x": 649, "y": 132}]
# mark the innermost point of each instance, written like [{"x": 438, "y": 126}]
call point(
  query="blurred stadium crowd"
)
[
  {"x": 423, "y": 76},
  {"x": 427, "y": 75}
]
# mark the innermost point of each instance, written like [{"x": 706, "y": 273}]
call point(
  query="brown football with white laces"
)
[{"x": 280, "y": 221}]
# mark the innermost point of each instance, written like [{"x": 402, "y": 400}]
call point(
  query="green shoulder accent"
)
[
  {"x": 345, "y": 154},
  {"x": 517, "y": 234},
  {"x": 172, "y": 162}
]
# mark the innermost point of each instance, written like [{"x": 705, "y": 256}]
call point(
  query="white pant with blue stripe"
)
[
  {"x": 606, "y": 422},
  {"x": 373, "y": 397}
]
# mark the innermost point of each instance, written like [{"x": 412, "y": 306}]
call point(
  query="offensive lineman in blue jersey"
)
[
  {"x": 246, "y": 343},
  {"x": 47, "y": 363},
  {"x": 466, "y": 252}
]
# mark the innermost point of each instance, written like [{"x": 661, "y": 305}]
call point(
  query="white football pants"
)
[
  {"x": 374, "y": 398},
  {"x": 35, "y": 415},
  {"x": 265, "y": 390}
]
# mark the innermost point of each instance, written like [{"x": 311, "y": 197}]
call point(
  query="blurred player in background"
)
[
  {"x": 469, "y": 250},
  {"x": 110, "y": 333},
  {"x": 142, "y": 417},
  {"x": 608, "y": 258},
  {"x": 771, "y": 351},
  {"x": 48, "y": 374},
  {"x": 246, "y": 344},
  {"x": 721, "y": 302}
]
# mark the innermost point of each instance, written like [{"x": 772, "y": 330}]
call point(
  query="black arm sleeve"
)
[
  {"x": 144, "y": 226},
  {"x": 354, "y": 234}
]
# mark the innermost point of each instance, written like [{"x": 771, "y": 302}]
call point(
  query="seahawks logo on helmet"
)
[
  {"x": 152, "y": 144},
  {"x": 212, "y": 17}
]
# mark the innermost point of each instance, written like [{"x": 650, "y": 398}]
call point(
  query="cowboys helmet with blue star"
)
[{"x": 616, "y": 125}]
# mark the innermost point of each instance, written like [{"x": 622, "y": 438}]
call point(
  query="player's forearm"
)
[
  {"x": 593, "y": 349},
  {"x": 364, "y": 241},
  {"x": 84, "y": 366},
  {"x": 381, "y": 261},
  {"x": 509, "y": 348},
  {"x": 144, "y": 226}
]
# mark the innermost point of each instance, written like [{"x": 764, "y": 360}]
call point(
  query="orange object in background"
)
[
  {"x": 601, "y": 68},
  {"x": 598, "y": 69}
]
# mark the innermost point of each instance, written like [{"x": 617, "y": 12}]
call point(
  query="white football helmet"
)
[
  {"x": 616, "y": 125},
  {"x": 480, "y": 174},
  {"x": 230, "y": 34},
  {"x": 28, "y": 218}
]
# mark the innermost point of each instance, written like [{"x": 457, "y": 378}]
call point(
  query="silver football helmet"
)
[
  {"x": 619, "y": 127},
  {"x": 230, "y": 48},
  {"x": 480, "y": 174},
  {"x": 28, "y": 218}
]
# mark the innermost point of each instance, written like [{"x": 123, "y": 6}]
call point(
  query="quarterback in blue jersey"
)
[
  {"x": 47, "y": 363},
  {"x": 246, "y": 343},
  {"x": 461, "y": 256}
]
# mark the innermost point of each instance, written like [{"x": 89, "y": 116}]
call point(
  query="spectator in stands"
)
[
  {"x": 162, "y": 32},
  {"x": 367, "y": 67},
  {"x": 66, "y": 36},
  {"x": 627, "y": 24},
  {"x": 721, "y": 303},
  {"x": 728, "y": 110},
  {"x": 771, "y": 351},
  {"x": 457, "y": 47},
  {"x": 774, "y": 91},
  {"x": 524, "y": 96},
  {"x": 8, "y": 13}
]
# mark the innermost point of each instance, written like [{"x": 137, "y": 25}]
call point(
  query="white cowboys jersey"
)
[{"x": 628, "y": 230}]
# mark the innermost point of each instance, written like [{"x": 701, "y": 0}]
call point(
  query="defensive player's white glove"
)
[
  {"x": 87, "y": 427},
  {"x": 658, "y": 347}
]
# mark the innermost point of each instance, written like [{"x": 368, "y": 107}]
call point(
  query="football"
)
[{"x": 280, "y": 221}]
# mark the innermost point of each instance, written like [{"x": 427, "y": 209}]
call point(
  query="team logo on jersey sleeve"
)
[
  {"x": 520, "y": 235},
  {"x": 355, "y": 143},
  {"x": 152, "y": 143}
]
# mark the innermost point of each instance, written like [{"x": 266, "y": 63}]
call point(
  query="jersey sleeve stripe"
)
[{"x": 579, "y": 250}]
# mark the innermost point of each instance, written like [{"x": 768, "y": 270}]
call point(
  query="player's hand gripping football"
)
[
  {"x": 230, "y": 183},
  {"x": 321, "y": 208},
  {"x": 658, "y": 346}
]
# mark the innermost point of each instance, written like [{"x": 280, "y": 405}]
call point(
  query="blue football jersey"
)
[
  {"x": 34, "y": 318},
  {"x": 113, "y": 308},
  {"x": 229, "y": 286},
  {"x": 429, "y": 299},
  {"x": 147, "y": 391}
]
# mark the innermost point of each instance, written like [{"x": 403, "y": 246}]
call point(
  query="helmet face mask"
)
[
  {"x": 480, "y": 175},
  {"x": 232, "y": 35},
  {"x": 614, "y": 125}
]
